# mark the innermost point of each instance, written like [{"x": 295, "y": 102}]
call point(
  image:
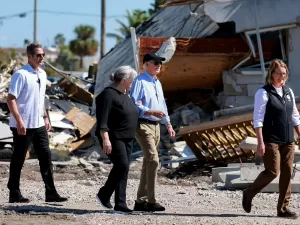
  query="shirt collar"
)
[
  {"x": 116, "y": 89},
  {"x": 150, "y": 77},
  {"x": 30, "y": 69}
]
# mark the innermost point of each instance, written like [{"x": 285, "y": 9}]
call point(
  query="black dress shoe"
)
[
  {"x": 16, "y": 197},
  {"x": 122, "y": 209},
  {"x": 55, "y": 197},
  {"x": 287, "y": 214},
  {"x": 155, "y": 207},
  {"x": 140, "y": 206},
  {"x": 246, "y": 203},
  {"x": 103, "y": 203}
]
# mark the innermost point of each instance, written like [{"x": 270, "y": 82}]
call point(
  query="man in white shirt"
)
[{"x": 30, "y": 124}]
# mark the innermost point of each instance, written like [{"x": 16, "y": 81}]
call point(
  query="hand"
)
[
  {"x": 21, "y": 129},
  {"x": 260, "y": 149},
  {"x": 158, "y": 114},
  {"x": 171, "y": 132},
  {"x": 107, "y": 146},
  {"x": 47, "y": 124}
]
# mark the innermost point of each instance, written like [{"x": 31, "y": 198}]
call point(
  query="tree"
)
[
  {"x": 85, "y": 44},
  {"x": 59, "y": 40},
  {"x": 133, "y": 20},
  {"x": 155, "y": 6},
  {"x": 66, "y": 59},
  {"x": 26, "y": 42}
]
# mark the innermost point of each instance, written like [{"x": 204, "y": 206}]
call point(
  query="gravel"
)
[{"x": 189, "y": 201}]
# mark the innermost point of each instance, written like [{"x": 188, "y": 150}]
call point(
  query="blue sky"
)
[{"x": 13, "y": 31}]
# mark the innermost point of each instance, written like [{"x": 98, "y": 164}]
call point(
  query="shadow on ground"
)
[{"x": 56, "y": 208}]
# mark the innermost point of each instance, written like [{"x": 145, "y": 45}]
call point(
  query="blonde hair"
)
[{"x": 276, "y": 63}]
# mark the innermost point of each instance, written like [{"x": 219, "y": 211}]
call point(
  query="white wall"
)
[{"x": 294, "y": 60}]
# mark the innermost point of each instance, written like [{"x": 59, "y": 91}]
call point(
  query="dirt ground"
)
[{"x": 192, "y": 200}]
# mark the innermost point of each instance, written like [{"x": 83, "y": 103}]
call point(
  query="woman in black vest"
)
[
  {"x": 275, "y": 118},
  {"x": 117, "y": 118}
]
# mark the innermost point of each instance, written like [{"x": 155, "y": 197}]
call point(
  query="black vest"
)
[{"x": 278, "y": 125}]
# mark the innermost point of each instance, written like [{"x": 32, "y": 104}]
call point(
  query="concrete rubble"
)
[
  {"x": 241, "y": 175},
  {"x": 69, "y": 108}
]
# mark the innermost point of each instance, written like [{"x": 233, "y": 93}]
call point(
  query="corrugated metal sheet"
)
[
  {"x": 270, "y": 12},
  {"x": 167, "y": 22},
  {"x": 181, "y": 2}
]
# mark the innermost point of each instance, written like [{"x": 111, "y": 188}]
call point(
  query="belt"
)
[{"x": 143, "y": 120}]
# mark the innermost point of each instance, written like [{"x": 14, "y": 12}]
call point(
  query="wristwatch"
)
[{"x": 44, "y": 117}]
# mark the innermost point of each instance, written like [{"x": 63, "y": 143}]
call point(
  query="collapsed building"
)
[{"x": 217, "y": 66}]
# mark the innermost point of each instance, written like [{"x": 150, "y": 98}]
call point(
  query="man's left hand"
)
[
  {"x": 47, "y": 124},
  {"x": 171, "y": 132}
]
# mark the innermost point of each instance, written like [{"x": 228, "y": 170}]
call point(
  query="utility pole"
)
[
  {"x": 103, "y": 28},
  {"x": 35, "y": 21}
]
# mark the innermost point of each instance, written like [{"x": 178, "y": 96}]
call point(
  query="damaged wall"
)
[
  {"x": 269, "y": 12},
  {"x": 167, "y": 22},
  {"x": 293, "y": 62}
]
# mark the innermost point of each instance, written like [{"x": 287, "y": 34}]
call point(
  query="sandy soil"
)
[{"x": 193, "y": 200}]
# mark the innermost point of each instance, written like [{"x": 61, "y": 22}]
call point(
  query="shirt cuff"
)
[
  {"x": 143, "y": 110},
  {"x": 296, "y": 122},
  {"x": 166, "y": 119},
  {"x": 258, "y": 124}
]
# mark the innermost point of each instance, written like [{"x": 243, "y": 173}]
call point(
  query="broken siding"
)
[
  {"x": 270, "y": 13},
  {"x": 170, "y": 21},
  {"x": 293, "y": 63}
]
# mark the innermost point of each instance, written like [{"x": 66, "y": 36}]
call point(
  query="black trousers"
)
[
  {"x": 40, "y": 140},
  {"x": 117, "y": 178}
]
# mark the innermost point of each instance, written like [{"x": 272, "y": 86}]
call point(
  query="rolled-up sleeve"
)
[
  {"x": 104, "y": 103},
  {"x": 137, "y": 95},
  {"x": 260, "y": 104},
  {"x": 16, "y": 84},
  {"x": 295, "y": 115}
]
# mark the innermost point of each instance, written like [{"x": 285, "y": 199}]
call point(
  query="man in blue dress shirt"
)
[{"x": 147, "y": 94}]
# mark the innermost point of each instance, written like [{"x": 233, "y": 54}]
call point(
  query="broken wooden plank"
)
[
  {"x": 219, "y": 140},
  {"x": 81, "y": 120},
  {"x": 83, "y": 143},
  {"x": 76, "y": 92}
]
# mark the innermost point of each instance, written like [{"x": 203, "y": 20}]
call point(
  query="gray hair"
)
[{"x": 123, "y": 73}]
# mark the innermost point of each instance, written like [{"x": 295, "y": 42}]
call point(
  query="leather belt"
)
[{"x": 143, "y": 120}]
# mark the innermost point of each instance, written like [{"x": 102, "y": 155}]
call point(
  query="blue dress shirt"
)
[{"x": 147, "y": 94}]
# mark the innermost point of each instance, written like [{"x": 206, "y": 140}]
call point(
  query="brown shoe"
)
[
  {"x": 247, "y": 202},
  {"x": 287, "y": 214}
]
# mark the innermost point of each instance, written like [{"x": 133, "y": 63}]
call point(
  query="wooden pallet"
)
[{"x": 219, "y": 140}]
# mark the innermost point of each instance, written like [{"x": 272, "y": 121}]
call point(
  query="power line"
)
[
  {"x": 21, "y": 15},
  {"x": 76, "y": 14},
  {"x": 24, "y": 14}
]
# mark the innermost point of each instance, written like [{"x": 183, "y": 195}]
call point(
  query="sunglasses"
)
[
  {"x": 156, "y": 63},
  {"x": 40, "y": 55}
]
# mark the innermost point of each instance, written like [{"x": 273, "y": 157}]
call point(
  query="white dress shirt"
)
[
  {"x": 260, "y": 103},
  {"x": 29, "y": 86}
]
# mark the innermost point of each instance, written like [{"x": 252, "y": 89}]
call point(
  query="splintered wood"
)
[
  {"x": 81, "y": 120},
  {"x": 218, "y": 140}
]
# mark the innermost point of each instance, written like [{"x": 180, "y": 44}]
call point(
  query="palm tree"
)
[
  {"x": 26, "y": 42},
  {"x": 133, "y": 20},
  {"x": 59, "y": 40},
  {"x": 85, "y": 44},
  {"x": 155, "y": 6}
]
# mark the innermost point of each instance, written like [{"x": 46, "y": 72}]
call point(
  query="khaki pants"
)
[
  {"x": 278, "y": 158},
  {"x": 148, "y": 137}
]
